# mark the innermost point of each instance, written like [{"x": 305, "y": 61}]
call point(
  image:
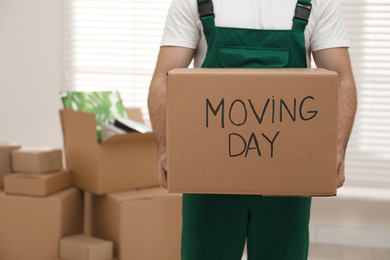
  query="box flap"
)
[
  {"x": 128, "y": 137},
  {"x": 135, "y": 114},
  {"x": 78, "y": 125}
]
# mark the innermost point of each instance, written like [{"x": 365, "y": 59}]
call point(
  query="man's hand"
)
[
  {"x": 170, "y": 57},
  {"x": 337, "y": 59},
  {"x": 163, "y": 170}
]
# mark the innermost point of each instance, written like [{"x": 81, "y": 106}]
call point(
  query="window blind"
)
[
  {"x": 368, "y": 155},
  {"x": 114, "y": 45}
]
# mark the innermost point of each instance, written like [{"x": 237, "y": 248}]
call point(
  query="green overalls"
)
[{"x": 215, "y": 227}]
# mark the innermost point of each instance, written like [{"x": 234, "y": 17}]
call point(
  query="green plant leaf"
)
[{"x": 105, "y": 105}]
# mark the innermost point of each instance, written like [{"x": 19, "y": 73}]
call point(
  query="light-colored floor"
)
[
  {"x": 333, "y": 252},
  {"x": 336, "y": 252}
]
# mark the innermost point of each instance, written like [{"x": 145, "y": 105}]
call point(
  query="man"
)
[{"x": 216, "y": 226}]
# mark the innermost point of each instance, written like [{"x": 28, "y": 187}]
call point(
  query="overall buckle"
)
[
  {"x": 302, "y": 12},
  {"x": 206, "y": 9}
]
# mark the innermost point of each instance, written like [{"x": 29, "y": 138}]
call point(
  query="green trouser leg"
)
[
  {"x": 278, "y": 228},
  {"x": 215, "y": 227}
]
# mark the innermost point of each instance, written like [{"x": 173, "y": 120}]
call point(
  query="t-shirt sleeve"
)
[
  {"x": 329, "y": 31},
  {"x": 181, "y": 26}
]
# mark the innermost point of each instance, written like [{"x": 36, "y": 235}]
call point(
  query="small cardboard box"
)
[
  {"x": 37, "y": 184},
  {"x": 81, "y": 247},
  {"x": 5, "y": 159},
  {"x": 123, "y": 162},
  {"x": 31, "y": 227},
  {"x": 252, "y": 131},
  {"x": 36, "y": 160},
  {"x": 144, "y": 224}
]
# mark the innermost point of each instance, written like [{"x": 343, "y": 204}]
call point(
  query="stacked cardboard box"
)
[
  {"x": 36, "y": 172},
  {"x": 36, "y": 160},
  {"x": 123, "y": 162},
  {"x": 36, "y": 223},
  {"x": 143, "y": 224},
  {"x": 82, "y": 247},
  {"x": 35, "y": 184},
  {"x": 31, "y": 227},
  {"x": 5, "y": 159},
  {"x": 128, "y": 207}
]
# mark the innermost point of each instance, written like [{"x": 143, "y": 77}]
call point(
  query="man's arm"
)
[
  {"x": 170, "y": 57},
  {"x": 337, "y": 59}
]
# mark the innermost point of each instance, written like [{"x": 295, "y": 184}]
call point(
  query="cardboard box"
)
[
  {"x": 30, "y": 227},
  {"x": 37, "y": 160},
  {"x": 135, "y": 114},
  {"x": 65, "y": 259},
  {"x": 123, "y": 162},
  {"x": 37, "y": 184},
  {"x": 143, "y": 224},
  {"x": 5, "y": 159},
  {"x": 88, "y": 201},
  {"x": 81, "y": 247},
  {"x": 252, "y": 131}
]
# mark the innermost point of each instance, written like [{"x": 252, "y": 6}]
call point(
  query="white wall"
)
[{"x": 30, "y": 72}]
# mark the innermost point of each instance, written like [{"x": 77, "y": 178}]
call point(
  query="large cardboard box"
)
[
  {"x": 143, "y": 224},
  {"x": 252, "y": 131},
  {"x": 31, "y": 227},
  {"x": 123, "y": 162},
  {"x": 5, "y": 159},
  {"x": 37, "y": 160},
  {"x": 32, "y": 184},
  {"x": 82, "y": 247}
]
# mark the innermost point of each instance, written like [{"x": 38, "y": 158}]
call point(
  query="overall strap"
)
[
  {"x": 302, "y": 14},
  {"x": 206, "y": 13}
]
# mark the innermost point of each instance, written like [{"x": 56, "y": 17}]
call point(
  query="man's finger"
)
[
  {"x": 162, "y": 176},
  {"x": 340, "y": 174}
]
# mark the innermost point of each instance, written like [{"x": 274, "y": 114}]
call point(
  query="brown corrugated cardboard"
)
[
  {"x": 5, "y": 159},
  {"x": 65, "y": 259},
  {"x": 37, "y": 184},
  {"x": 82, "y": 247},
  {"x": 87, "y": 213},
  {"x": 143, "y": 224},
  {"x": 252, "y": 131},
  {"x": 123, "y": 162},
  {"x": 31, "y": 227},
  {"x": 36, "y": 160},
  {"x": 135, "y": 114}
]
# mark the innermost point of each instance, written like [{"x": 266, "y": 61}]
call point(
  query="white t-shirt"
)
[{"x": 325, "y": 29}]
